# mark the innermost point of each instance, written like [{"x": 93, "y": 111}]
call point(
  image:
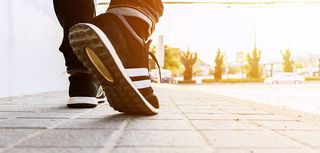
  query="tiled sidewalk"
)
[{"x": 189, "y": 122}]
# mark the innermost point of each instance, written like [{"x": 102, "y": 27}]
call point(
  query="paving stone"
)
[
  {"x": 266, "y": 118},
  {"x": 287, "y": 125},
  {"x": 46, "y": 115},
  {"x": 111, "y": 122},
  {"x": 161, "y": 150},
  {"x": 29, "y": 123},
  {"x": 165, "y": 100},
  {"x": 65, "y": 109},
  {"x": 169, "y": 110},
  {"x": 219, "y": 103},
  {"x": 223, "y": 125},
  {"x": 188, "y": 102},
  {"x": 204, "y": 111},
  {"x": 211, "y": 98},
  {"x": 14, "y": 114},
  {"x": 11, "y": 136},
  {"x": 161, "y": 116},
  {"x": 248, "y": 139},
  {"x": 187, "y": 108},
  {"x": 55, "y": 94},
  {"x": 17, "y": 108},
  {"x": 105, "y": 107},
  {"x": 268, "y": 150},
  {"x": 158, "y": 125},
  {"x": 248, "y": 112},
  {"x": 233, "y": 107},
  {"x": 212, "y": 117},
  {"x": 160, "y": 138},
  {"x": 2, "y": 119},
  {"x": 105, "y": 113},
  {"x": 199, "y": 110},
  {"x": 55, "y": 150},
  {"x": 70, "y": 138},
  {"x": 311, "y": 138},
  {"x": 229, "y": 127},
  {"x": 48, "y": 101},
  {"x": 162, "y": 103}
]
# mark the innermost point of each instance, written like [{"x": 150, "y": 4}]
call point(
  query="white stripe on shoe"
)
[
  {"x": 82, "y": 100},
  {"x": 118, "y": 62},
  {"x": 136, "y": 72},
  {"x": 142, "y": 84}
]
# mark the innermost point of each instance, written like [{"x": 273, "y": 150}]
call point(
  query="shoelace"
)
[{"x": 147, "y": 46}]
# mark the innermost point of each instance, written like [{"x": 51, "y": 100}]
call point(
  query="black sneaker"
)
[
  {"x": 84, "y": 91},
  {"x": 118, "y": 57}
]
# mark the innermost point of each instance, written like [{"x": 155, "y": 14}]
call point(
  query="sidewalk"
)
[{"x": 188, "y": 122}]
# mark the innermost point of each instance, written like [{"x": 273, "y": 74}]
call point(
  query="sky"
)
[{"x": 233, "y": 28}]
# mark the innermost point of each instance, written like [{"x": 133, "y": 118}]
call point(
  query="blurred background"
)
[{"x": 257, "y": 41}]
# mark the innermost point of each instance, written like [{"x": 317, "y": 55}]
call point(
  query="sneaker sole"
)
[
  {"x": 96, "y": 52},
  {"x": 82, "y": 102},
  {"x": 101, "y": 100}
]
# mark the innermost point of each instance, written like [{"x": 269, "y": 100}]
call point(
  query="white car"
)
[
  {"x": 166, "y": 75},
  {"x": 285, "y": 78}
]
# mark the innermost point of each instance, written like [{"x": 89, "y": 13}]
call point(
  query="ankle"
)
[{"x": 139, "y": 26}]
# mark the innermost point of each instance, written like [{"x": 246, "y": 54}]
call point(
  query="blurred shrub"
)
[
  {"x": 312, "y": 78},
  {"x": 233, "y": 80}
]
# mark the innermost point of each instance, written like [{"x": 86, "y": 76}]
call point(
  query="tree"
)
[
  {"x": 287, "y": 61},
  {"x": 219, "y": 61},
  {"x": 253, "y": 60},
  {"x": 188, "y": 59},
  {"x": 171, "y": 59}
]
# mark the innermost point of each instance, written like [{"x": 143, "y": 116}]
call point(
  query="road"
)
[{"x": 302, "y": 97}]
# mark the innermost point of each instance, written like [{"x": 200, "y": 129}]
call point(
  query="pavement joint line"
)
[
  {"x": 282, "y": 134},
  {"x": 42, "y": 117},
  {"x": 273, "y": 110},
  {"x": 260, "y": 147},
  {"x": 193, "y": 127},
  {"x": 128, "y": 146},
  {"x": 11, "y": 146},
  {"x": 64, "y": 147},
  {"x": 206, "y": 102},
  {"x": 268, "y": 120},
  {"x": 21, "y": 128},
  {"x": 220, "y": 119},
  {"x": 205, "y": 113},
  {"x": 261, "y": 126},
  {"x": 18, "y": 111},
  {"x": 158, "y": 129},
  {"x": 116, "y": 137},
  {"x": 225, "y": 112},
  {"x": 205, "y": 130},
  {"x": 8, "y": 119},
  {"x": 298, "y": 130}
]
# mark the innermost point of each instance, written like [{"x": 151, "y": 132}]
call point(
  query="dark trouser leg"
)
[
  {"x": 151, "y": 8},
  {"x": 69, "y": 13}
]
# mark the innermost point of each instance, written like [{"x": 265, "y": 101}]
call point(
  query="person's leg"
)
[
  {"x": 153, "y": 9},
  {"x": 114, "y": 47},
  {"x": 83, "y": 87},
  {"x": 69, "y": 13}
]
